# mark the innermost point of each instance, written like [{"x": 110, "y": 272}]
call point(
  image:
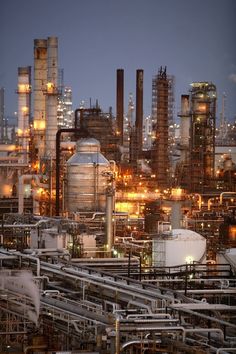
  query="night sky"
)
[{"x": 194, "y": 39}]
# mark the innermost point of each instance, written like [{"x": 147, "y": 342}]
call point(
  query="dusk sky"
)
[{"x": 194, "y": 39}]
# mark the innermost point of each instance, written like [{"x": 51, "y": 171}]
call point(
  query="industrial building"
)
[{"x": 106, "y": 244}]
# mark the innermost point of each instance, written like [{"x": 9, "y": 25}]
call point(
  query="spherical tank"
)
[
  {"x": 85, "y": 189},
  {"x": 180, "y": 247}
]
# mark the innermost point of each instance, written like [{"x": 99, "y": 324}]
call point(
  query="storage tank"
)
[
  {"x": 87, "y": 178},
  {"x": 180, "y": 246}
]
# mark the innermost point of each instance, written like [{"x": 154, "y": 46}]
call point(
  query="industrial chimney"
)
[
  {"x": 120, "y": 103},
  {"x": 139, "y": 111}
]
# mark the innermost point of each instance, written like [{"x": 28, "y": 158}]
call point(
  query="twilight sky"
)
[{"x": 194, "y": 39}]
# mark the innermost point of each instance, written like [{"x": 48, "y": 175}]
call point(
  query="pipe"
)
[
  {"x": 212, "y": 319},
  {"x": 202, "y": 330},
  {"x": 139, "y": 304},
  {"x": 174, "y": 328},
  {"x": 37, "y": 260},
  {"x": 225, "y": 193},
  {"x": 30, "y": 347},
  {"x": 7, "y": 148},
  {"x": 117, "y": 330},
  {"x": 139, "y": 341},
  {"x": 219, "y": 350},
  {"x": 109, "y": 212},
  {"x": 153, "y": 315}
]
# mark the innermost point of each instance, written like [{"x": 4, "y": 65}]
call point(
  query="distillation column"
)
[
  {"x": 24, "y": 93},
  {"x": 202, "y": 142},
  {"x": 160, "y": 152},
  {"x": 40, "y": 79},
  {"x": 52, "y": 95}
]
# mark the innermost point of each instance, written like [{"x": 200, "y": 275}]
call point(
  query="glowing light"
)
[
  {"x": 23, "y": 88},
  {"x": 176, "y": 192},
  {"x": 25, "y": 109},
  {"x": 189, "y": 259},
  {"x": 39, "y": 124},
  {"x": 50, "y": 87}
]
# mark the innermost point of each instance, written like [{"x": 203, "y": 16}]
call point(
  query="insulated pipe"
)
[
  {"x": 37, "y": 260},
  {"x": 30, "y": 347},
  {"x": 140, "y": 341},
  {"x": 7, "y": 148},
  {"x": 225, "y": 193},
  {"x": 219, "y": 350},
  {"x": 109, "y": 213}
]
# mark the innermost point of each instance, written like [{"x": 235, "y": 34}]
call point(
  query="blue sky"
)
[{"x": 194, "y": 39}]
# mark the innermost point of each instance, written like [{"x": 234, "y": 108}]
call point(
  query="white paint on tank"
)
[{"x": 181, "y": 246}]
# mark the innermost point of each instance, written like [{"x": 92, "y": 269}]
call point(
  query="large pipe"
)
[
  {"x": 109, "y": 213},
  {"x": 139, "y": 110},
  {"x": 120, "y": 103}
]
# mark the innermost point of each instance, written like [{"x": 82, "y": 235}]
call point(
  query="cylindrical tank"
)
[
  {"x": 87, "y": 178},
  {"x": 180, "y": 247}
]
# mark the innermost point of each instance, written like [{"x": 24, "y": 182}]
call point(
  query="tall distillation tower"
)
[
  {"x": 202, "y": 135},
  {"x": 24, "y": 99},
  {"x": 161, "y": 110}
]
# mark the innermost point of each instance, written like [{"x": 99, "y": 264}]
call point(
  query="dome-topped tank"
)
[
  {"x": 86, "y": 178},
  {"x": 179, "y": 247}
]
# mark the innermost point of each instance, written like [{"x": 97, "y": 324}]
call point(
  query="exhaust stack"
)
[
  {"x": 139, "y": 111},
  {"x": 120, "y": 103}
]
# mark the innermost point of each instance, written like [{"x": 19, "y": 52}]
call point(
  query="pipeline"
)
[{"x": 219, "y": 350}]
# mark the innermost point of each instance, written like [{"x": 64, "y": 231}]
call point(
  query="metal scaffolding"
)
[{"x": 202, "y": 135}]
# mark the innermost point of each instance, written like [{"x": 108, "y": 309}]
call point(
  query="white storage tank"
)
[
  {"x": 87, "y": 178},
  {"x": 180, "y": 246}
]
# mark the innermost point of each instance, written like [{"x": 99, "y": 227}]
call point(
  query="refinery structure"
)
[{"x": 118, "y": 231}]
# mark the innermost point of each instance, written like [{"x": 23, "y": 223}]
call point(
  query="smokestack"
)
[
  {"x": 120, "y": 102},
  {"x": 2, "y": 119},
  {"x": 139, "y": 110},
  {"x": 24, "y": 94}
]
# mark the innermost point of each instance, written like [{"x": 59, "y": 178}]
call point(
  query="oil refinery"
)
[{"x": 118, "y": 232}]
